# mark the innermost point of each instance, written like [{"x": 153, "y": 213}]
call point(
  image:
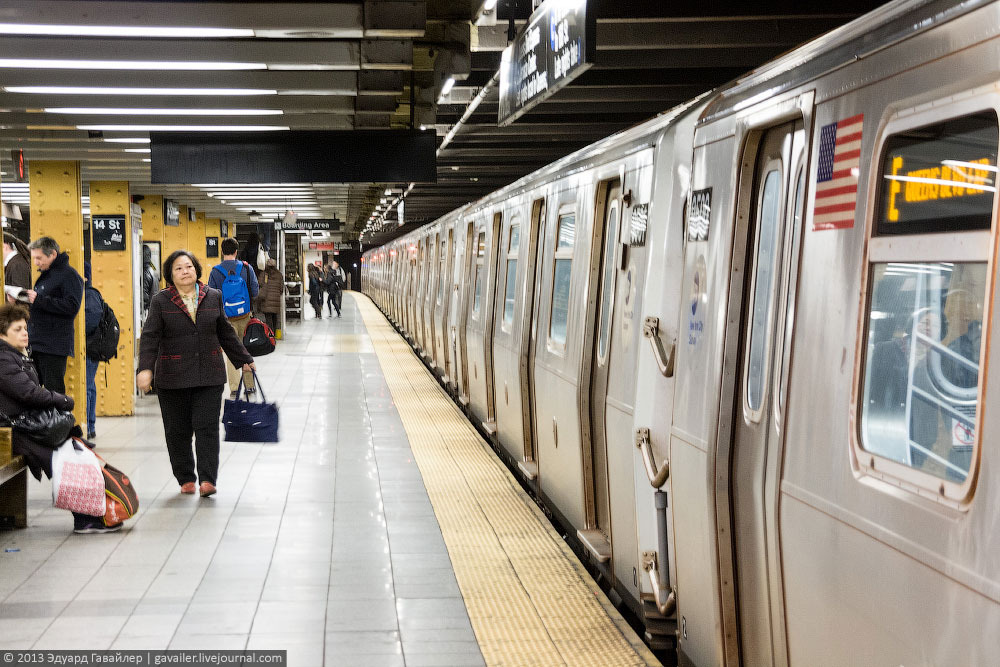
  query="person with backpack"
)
[
  {"x": 93, "y": 308},
  {"x": 238, "y": 283}
]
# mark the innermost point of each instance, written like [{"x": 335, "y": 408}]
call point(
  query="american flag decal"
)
[{"x": 837, "y": 175}]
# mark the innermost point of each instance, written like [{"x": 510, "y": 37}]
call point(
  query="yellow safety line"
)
[{"x": 529, "y": 598}]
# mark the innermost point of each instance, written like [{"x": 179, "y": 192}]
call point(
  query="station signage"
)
[
  {"x": 171, "y": 213},
  {"x": 108, "y": 232},
  {"x": 311, "y": 225},
  {"x": 557, "y": 45},
  {"x": 211, "y": 246},
  {"x": 330, "y": 245}
]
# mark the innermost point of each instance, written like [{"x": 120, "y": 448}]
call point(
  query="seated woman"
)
[{"x": 20, "y": 392}]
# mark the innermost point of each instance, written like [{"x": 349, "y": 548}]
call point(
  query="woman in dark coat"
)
[
  {"x": 271, "y": 290},
  {"x": 315, "y": 291},
  {"x": 20, "y": 392},
  {"x": 180, "y": 342}
]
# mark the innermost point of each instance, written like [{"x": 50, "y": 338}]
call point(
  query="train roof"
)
[{"x": 854, "y": 41}]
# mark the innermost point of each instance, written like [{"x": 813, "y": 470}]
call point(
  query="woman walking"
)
[
  {"x": 271, "y": 290},
  {"x": 316, "y": 291},
  {"x": 184, "y": 329}
]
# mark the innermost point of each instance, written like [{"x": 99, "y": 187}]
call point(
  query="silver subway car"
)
[{"x": 774, "y": 308}]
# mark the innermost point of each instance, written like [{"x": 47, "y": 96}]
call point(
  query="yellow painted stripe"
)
[{"x": 530, "y": 600}]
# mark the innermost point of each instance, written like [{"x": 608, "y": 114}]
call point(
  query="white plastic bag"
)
[
  {"x": 77, "y": 479},
  {"x": 261, "y": 258}
]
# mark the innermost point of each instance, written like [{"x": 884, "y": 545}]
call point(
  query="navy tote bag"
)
[{"x": 248, "y": 421}]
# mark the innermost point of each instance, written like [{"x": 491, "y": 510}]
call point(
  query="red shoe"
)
[
  {"x": 187, "y": 487},
  {"x": 207, "y": 489}
]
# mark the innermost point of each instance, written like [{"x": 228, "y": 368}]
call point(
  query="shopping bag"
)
[
  {"x": 248, "y": 421},
  {"x": 77, "y": 480}
]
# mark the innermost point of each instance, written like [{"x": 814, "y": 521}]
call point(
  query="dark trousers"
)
[
  {"x": 51, "y": 371},
  {"x": 335, "y": 298},
  {"x": 272, "y": 320},
  {"x": 193, "y": 410}
]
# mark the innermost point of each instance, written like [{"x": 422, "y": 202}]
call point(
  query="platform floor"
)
[{"x": 381, "y": 530}]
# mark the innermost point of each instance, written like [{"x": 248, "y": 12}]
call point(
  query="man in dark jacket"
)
[
  {"x": 55, "y": 301},
  {"x": 150, "y": 285}
]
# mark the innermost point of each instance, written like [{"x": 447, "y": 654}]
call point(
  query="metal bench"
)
[{"x": 13, "y": 485}]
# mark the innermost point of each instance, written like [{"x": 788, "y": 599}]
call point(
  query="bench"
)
[{"x": 13, "y": 485}]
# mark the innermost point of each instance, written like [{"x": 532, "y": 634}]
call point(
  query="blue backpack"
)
[{"x": 235, "y": 295}]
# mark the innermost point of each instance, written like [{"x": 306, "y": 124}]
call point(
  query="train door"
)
[
  {"x": 444, "y": 298},
  {"x": 490, "y": 314},
  {"x": 433, "y": 294},
  {"x": 528, "y": 333},
  {"x": 774, "y": 210},
  {"x": 471, "y": 261},
  {"x": 607, "y": 223}
]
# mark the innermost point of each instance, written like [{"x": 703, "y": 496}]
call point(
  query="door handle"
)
[
  {"x": 657, "y": 475},
  {"x": 664, "y": 360}
]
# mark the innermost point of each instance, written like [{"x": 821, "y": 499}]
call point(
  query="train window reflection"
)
[
  {"x": 481, "y": 244},
  {"x": 767, "y": 239},
  {"x": 921, "y": 387},
  {"x": 559, "y": 319},
  {"x": 511, "y": 284}
]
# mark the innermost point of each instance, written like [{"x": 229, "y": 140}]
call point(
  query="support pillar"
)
[
  {"x": 196, "y": 242},
  {"x": 112, "y": 274},
  {"x": 175, "y": 238},
  {"x": 152, "y": 228},
  {"x": 57, "y": 211}
]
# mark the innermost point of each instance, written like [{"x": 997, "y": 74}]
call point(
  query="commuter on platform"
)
[
  {"x": 93, "y": 308},
  {"x": 270, "y": 294},
  {"x": 20, "y": 392},
  {"x": 315, "y": 290},
  {"x": 55, "y": 301},
  {"x": 150, "y": 284},
  {"x": 238, "y": 283},
  {"x": 335, "y": 280},
  {"x": 180, "y": 342},
  {"x": 16, "y": 264},
  {"x": 254, "y": 254}
]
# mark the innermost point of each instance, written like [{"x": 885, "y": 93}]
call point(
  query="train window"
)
[
  {"x": 607, "y": 286},
  {"x": 921, "y": 387},
  {"x": 939, "y": 178},
  {"x": 559, "y": 319},
  {"x": 767, "y": 241},
  {"x": 480, "y": 253},
  {"x": 511, "y": 284},
  {"x": 441, "y": 276}
]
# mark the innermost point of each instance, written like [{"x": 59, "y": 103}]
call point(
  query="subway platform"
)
[{"x": 380, "y": 531}]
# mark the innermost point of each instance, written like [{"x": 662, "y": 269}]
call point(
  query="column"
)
[
  {"x": 152, "y": 228},
  {"x": 57, "y": 211},
  {"x": 111, "y": 268}
]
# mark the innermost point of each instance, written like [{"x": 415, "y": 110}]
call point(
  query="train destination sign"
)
[
  {"x": 108, "y": 232},
  {"x": 556, "y": 46}
]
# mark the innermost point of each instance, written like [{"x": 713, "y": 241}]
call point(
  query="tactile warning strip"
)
[{"x": 529, "y": 598}]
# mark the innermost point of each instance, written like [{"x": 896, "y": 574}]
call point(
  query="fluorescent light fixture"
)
[
  {"x": 173, "y": 92},
  {"x": 111, "y": 111},
  {"x": 146, "y": 159},
  {"x": 128, "y": 140},
  {"x": 46, "y": 63},
  {"x": 120, "y": 31},
  {"x": 136, "y": 150},
  {"x": 489, "y": 5},
  {"x": 183, "y": 128},
  {"x": 247, "y": 185},
  {"x": 448, "y": 85},
  {"x": 388, "y": 191}
]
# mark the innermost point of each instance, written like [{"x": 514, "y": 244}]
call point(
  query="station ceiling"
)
[{"x": 87, "y": 79}]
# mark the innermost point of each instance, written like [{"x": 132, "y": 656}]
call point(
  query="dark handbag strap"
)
[{"x": 241, "y": 391}]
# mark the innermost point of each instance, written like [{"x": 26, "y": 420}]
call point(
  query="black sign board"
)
[
  {"x": 556, "y": 46},
  {"x": 314, "y": 225},
  {"x": 171, "y": 213},
  {"x": 211, "y": 246},
  {"x": 108, "y": 232}
]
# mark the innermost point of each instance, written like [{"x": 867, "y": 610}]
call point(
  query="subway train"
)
[{"x": 736, "y": 350}]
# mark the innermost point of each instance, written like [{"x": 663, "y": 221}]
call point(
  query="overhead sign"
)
[
  {"x": 313, "y": 225},
  {"x": 108, "y": 232},
  {"x": 330, "y": 245},
  {"x": 171, "y": 213},
  {"x": 557, "y": 45}
]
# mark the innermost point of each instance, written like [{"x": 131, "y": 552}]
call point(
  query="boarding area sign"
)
[{"x": 557, "y": 45}]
